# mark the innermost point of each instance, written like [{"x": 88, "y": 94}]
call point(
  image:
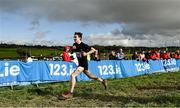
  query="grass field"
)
[
  {"x": 12, "y": 52},
  {"x": 159, "y": 89},
  {"x": 8, "y": 52}
]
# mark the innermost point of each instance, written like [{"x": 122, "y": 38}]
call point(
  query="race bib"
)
[{"x": 78, "y": 54}]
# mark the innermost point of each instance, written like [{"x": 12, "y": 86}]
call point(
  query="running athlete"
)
[{"x": 82, "y": 50}]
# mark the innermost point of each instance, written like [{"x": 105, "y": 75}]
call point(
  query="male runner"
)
[{"x": 82, "y": 50}]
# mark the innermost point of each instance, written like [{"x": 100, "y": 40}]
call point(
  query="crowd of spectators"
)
[
  {"x": 69, "y": 56},
  {"x": 145, "y": 55},
  {"x": 139, "y": 56}
]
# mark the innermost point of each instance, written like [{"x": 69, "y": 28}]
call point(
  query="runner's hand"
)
[
  {"x": 84, "y": 53},
  {"x": 74, "y": 47}
]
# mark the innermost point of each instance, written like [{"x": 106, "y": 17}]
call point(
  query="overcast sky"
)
[{"x": 103, "y": 22}]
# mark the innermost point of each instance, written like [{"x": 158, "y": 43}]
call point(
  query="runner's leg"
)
[
  {"x": 73, "y": 77},
  {"x": 91, "y": 76}
]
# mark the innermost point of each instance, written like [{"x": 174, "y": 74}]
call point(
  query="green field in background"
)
[{"x": 12, "y": 52}]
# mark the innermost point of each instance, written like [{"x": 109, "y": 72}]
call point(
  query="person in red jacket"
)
[
  {"x": 158, "y": 57},
  {"x": 66, "y": 54},
  {"x": 177, "y": 55},
  {"x": 153, "y": 56},
  {"x": 165, "y": 55}
]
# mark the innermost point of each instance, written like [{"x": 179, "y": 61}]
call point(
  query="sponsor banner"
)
[{"x": 16, "y": 72}]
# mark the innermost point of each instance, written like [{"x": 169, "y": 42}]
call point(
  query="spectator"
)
[
  {"x": 152, "y": 56},
  {"x": 29, "y": 59},
  {"x": 171, "y": 54},
  {"x": 88, "y": 57},
  {"x": 66, "y": 54},
  {"x": 147, "y": 54},
  {"x": 95, "y": 56},
  {"x": 120, "y": 54},
  {"x": 74, "y": 58},
  {"x": 177, "y": 54},
  {"x": 157, "y": 53},
  {"x": 135, "y": 56},
  {"x": 112, "y": 55},
  {"x": 165, "y": 55},
  {"x": 142, "y": 56}
]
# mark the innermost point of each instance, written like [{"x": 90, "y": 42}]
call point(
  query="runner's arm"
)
[{"x": 90, "y": 52}]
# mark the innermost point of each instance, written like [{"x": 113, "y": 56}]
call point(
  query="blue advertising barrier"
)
[
  {"x": 133, "y": 68},
  {"x": 170, "y": 65},
  {"x": 104, "y": 69},
  {"x": 14, "y": 72},
  {"x": 178, "y": 63}
]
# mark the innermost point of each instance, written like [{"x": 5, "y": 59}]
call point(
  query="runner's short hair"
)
[{"x": 79, "y": 34}]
